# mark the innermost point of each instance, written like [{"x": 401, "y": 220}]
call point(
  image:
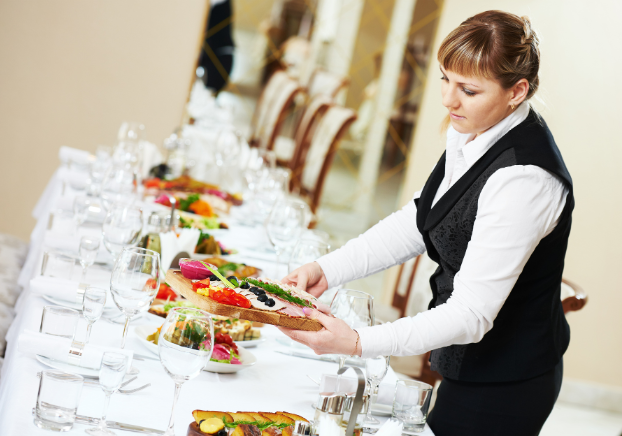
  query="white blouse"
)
[{"x": 518, "y": 206}]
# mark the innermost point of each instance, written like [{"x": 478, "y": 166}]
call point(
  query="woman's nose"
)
[{"x": 450, "y": 100}]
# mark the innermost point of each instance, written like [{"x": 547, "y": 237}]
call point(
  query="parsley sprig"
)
[
  {"x": 276, "y": 290},
  {"x": 260, "y": 425}
]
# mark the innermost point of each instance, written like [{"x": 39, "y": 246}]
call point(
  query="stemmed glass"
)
[
  {"x": 122, "y": 228},
  {"x": 227, "y": 149},
  {"x": 89, "y": 246},
  {"x": 118, "y": 185},
  {"x": 111, "y": 373},
  {"x": 92, "y": 307},
  {"x": 305, "y": 251},
  {"x": 185, "y": 345},
  {"x": 375, "y": 371},
  {"x": 134, "y": 283},
  {"x": 284, "y": 225},
  {"x": 355, "y": 308},
  {"x": 81, "y": 207}
]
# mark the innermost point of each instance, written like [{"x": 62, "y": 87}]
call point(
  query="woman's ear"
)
[{"x": 519, "y": 92}]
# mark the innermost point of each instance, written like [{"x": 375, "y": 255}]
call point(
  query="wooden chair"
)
[
  {"x": 411, "y": 295},
  {"x": 315, "y": 163},
  {"x": 272, "y": 107}
]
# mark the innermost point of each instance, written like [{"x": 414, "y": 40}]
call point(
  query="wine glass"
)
[
  {"x": 89, "y": 246},
  {"x": 284, "y": 225},
  {"x": 118, "y": 185},
  {"x": 134, "y": 283},
  {"x": 226, "y": 151},
  {"x": 355, "y": 308},
  {"x": 185, "y": 346},
  {"x": 375, "y": 370},
  {"x": 81, "y": 207},
  {"x": 111, "y": 373},
  {"x": 305, "y": 251},
  {"x": 92, "y": 307},
  {"x": 122, "y": 228}
]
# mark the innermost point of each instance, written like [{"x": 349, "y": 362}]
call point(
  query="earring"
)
[{"x": 512, "y": 106}]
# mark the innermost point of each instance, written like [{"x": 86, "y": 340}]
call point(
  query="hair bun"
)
[{"x": 529, "y": 35}]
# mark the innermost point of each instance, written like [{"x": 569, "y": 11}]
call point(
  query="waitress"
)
[{"x": 495, "y": 215}]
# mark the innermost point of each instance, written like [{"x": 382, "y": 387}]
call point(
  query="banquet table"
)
[{"x": 276, "y": 382}]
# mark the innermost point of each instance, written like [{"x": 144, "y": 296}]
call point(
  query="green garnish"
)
[
  {"x": 217, "y": 274},
  {"x": 184, "y": 204},
  {"x": 276, "y": 290},
  {"x": 229, "y": 267},
  {"x": 260, "y": 425}
]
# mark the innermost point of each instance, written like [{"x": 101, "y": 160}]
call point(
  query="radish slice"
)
[{"x": 194, "y": 269}]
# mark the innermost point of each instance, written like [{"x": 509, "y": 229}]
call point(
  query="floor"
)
[{"x": 571, "y": 420}]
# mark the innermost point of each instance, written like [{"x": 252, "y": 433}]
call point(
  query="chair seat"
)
[{"x": 284, "y": 148}]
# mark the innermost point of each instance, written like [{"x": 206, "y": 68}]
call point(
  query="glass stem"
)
[
  {"x": 278, "y": 263},
  {"x": 102, "y": 421},
  {"x": 342, "y": 361},
  {"x": 83, "y": 279},
  {"x": 372, "y": 398},
  {"x": 88, "y": 332},
  {"x": 125, "y": 329},
  {"x": 171, "y": 423}
]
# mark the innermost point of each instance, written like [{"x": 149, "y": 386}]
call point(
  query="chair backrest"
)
[
  {"x": 272, "y": 107},
  {"x": 315, "y": 165},
  {"x": 327, "y": 83}
]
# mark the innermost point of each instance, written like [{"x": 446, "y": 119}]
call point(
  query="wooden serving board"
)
[{"x": 184, "y": 286}]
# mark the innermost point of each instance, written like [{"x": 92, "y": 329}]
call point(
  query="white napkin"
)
[
  {"x": 65, "y": 290},
  {"x": 66, "y": 154},
  {"x": 171, "y": 245},
  {"x": 57, "y": 348},
  {"x": 71, "y": 243},
  {"x": 392, "y": 427}
]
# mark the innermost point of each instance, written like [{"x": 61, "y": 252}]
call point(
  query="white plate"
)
[
  {"x": 74, "y": 305},
  {"x": 246, "y": 357},
  {"x": 67, "y": 367},
  {"x": 249, "y": 344}
]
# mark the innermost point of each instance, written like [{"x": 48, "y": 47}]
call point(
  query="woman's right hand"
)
[{"x": 308, "y": 277}]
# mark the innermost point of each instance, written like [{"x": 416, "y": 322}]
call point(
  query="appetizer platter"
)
[
  {"x": 207, "y": 422},
  {"x": 262, "y": 300}
]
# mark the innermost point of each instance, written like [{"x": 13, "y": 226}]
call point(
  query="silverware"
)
[
  {"x": 350, "y": 362},
  {"x": 114, "y": 425},
  {"x": 96, "y": 383},
  {"x": 131, "y": 391},
  {"x": 313, "y": 380}
]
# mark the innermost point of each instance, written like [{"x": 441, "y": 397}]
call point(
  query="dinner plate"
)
[
  {"x": 249, "y": 344},
  {"x": 246, "y": 357},
  {"x": 67, "y": 367}
]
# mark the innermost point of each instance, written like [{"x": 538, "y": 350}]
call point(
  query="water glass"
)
[
  {"x": 57, "y": 265},
  {"x": 411, "y": 404},
  {"x": 92, "y": 307},
  {"x": 284, "y": 226},
  {"x": 59, "y": 321},
  {"x": 81, "y": 207},
  {"x": 185, "y": 346},
  {"x": 89, "y": 246},
  {"x": 111, "y": 373},
  {"x": 118, "y": 185},
  {"x": 122, "y": 228},
  {"x": 305, "y": 251},
  {"x": 57, "y": 400},
  {"x": 355, "y": 308},
  {"x": 135, "y": 282},
  {"x": 375, "y": 371}
]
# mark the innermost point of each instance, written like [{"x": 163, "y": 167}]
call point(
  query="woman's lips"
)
[{"x": 456, "y": 117}]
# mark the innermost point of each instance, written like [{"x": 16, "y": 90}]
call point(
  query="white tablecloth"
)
[{"x": 276, "y": 382}]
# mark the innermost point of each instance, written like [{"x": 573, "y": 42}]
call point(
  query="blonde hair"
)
[{"x": 495, "y": 45}]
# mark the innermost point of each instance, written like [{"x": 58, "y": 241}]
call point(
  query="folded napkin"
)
[
  {"x": 171, "y": 245},
  {"x": 67, "y": 154},
  {"x": 65, "y": 290},
  {"x": 71, "y": 243},
  {"x": 57, "y": 348}
]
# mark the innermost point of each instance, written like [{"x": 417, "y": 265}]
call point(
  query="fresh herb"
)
[
  {"x": 184, "y": 224},
  {"x": 228, "y": 267},
  {"x": 260, "y": 425},
  {"x": 184, "y": 203},
  {"x": 203, "y": 236},
  {"x": 281, "y": 293}
]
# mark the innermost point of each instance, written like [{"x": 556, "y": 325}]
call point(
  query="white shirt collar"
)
[{"x": 475, "y": 149}]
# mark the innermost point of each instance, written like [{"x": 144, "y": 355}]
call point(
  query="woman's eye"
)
[
  {"x": 467, "y": 92},
  {"x": 443, "y": 77}
]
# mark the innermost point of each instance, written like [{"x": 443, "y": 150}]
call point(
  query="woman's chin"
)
[{"x": 460, "y": 127}]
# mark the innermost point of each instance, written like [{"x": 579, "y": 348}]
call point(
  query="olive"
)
[
  {"x": 270, "y": 302},
  {"x": 230, "y": 278},
  {"x": 245, "y": 285},
  {"x": 262, "y": 298},
  {"x": 255, "y": 290},
  {"x": 214, "y": 278},
  {"x": 222, "y": 432}
]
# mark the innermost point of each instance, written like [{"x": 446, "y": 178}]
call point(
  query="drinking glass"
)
[
  {"x": 185, "y": 345},
  {"x": 411, "y": 404},
  {"x": 89, "y": 246},
  {"x": 92, "y": 307},
  {"x": 81, "y": 207},
  {"x": 134, "y": 283},
  {"x": 122, "y": 228},
  {"x": 375, "y": 370},
  {"x": 227, "y": 148},
  {"x": 118, "y": 185},
  {"x": 355, "y": 308},
  {"x": 305, "y": 251},
  {"x": 59, "y": 321},
  {"x": 284, "y": 225},
  {"x": 111, "y": 373},
  {"x": 57, "y": 400}
]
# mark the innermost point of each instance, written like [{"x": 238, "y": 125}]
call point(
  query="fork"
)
[{"x": 125, "y": 383}]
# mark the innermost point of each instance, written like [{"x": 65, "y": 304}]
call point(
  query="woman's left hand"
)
[{"x": 335, "y": 338}]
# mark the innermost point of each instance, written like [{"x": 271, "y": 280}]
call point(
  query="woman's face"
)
[{"x": 476, "y": 104}]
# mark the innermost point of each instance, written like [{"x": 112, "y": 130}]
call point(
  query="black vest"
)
[{"x": 530, "y": 333}]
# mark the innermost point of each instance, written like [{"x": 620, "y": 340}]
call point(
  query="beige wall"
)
[
  {"x": 71, "y": 71},
  {"x": 580, "y": 83}
]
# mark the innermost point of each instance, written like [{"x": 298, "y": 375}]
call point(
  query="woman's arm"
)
[{"x": 391, "y": 242}]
